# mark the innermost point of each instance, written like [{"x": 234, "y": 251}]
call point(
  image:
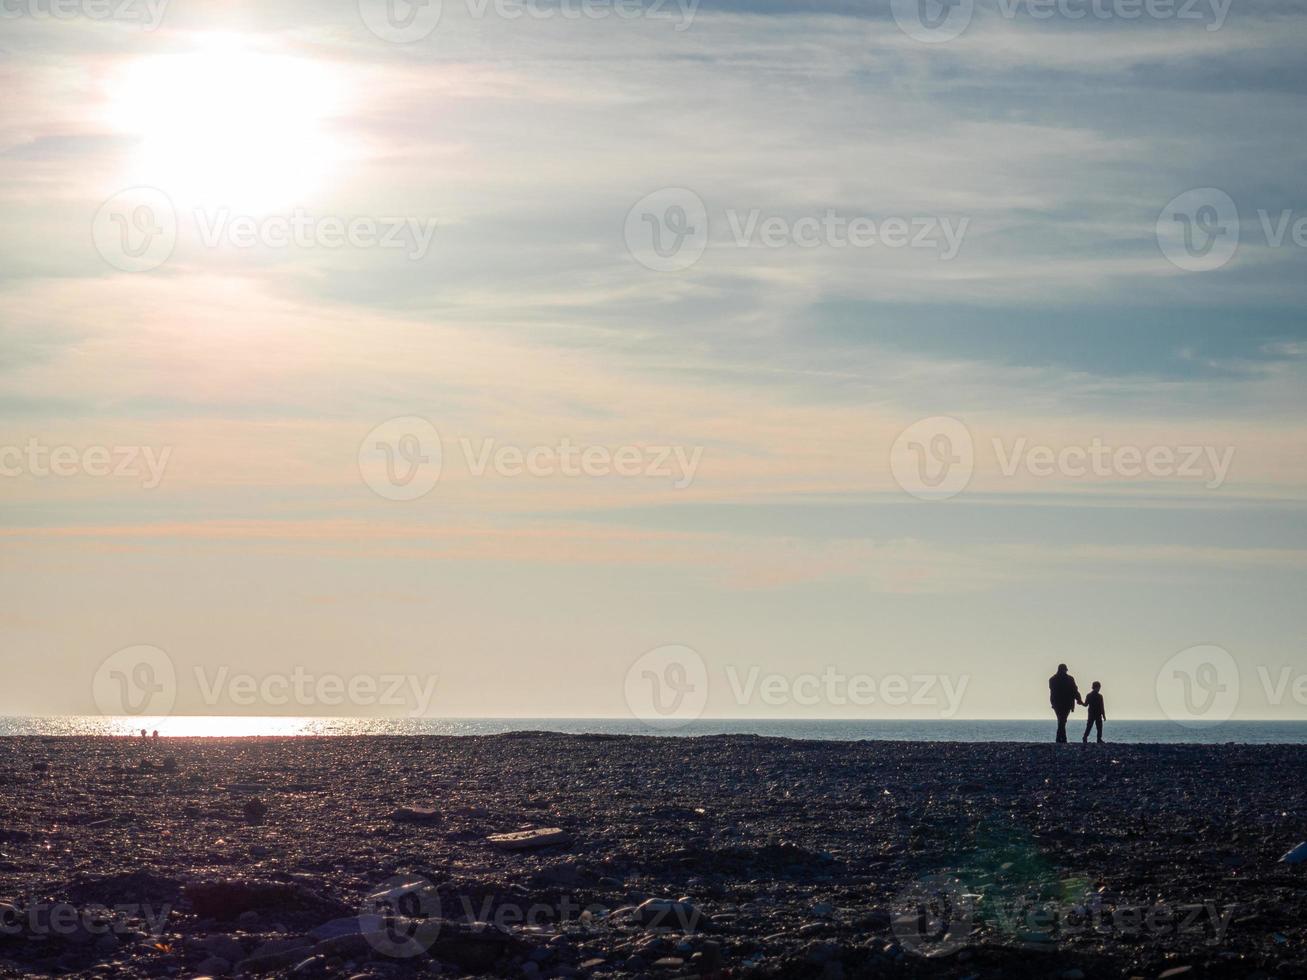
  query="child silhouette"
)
[{"x": 1097, "y": 712}]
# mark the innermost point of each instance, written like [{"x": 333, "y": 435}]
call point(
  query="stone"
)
[
  {"x": 351, "y": 925},
  {"x": 1296, "y": 856},
  {"x": 522, "y": 840},
  {"x": 224, "y": 947},
  {"x": 276, "y": 953},
  {"x": 666, "y": 914},
  {"x": 214, "y": 964},
  {"x": 228, "y": 899},
  {"x": 415, "y": 814},
  {"x": 255, "y": 810}
]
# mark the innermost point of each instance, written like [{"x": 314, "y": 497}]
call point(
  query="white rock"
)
[{"x": 1297, "y": 856}]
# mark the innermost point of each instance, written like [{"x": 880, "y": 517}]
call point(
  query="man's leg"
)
[{"x": 1061, "y": 725}]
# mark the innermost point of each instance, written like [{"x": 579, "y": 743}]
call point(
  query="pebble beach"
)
[{"x": 540, "y": 855}]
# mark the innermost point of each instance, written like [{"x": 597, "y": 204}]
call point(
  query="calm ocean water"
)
[{"x": 955, "y": 730}]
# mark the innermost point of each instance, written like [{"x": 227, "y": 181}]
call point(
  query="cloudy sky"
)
[{"x": 509, "y": 346}]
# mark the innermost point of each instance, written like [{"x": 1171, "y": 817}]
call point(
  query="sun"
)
[{"x": 229, "y": 125}]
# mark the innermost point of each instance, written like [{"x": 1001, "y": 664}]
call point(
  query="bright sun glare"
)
[{"x": 228, "y": 125}]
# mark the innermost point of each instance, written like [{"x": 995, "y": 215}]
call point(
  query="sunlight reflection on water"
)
[{"x": 1263, "y": 732}]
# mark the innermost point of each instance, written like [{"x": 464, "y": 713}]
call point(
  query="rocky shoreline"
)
[{"x": 542, "y": 855}]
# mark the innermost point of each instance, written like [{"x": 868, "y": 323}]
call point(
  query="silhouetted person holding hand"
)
[
  {"x": 1097, "y": 712},
  {"x": 1063, "y": 695}
]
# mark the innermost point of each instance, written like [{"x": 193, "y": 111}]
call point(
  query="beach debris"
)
[
  {"x": 1296, "y": 856},
  {"x": 565, "y": 872},
  {"x": 276, "y": 953},
  {"x": 254, "y": 809},
  {"x": 523, "y": 840},
  {"x": 221, "y": 947},
  {"x": 663, "y": 913},
  {"x": 349, "y": 925},
  {"x": 227, "y": 899},
  {"x": 214, "y": 965},
  {"x": 415, "y": 814}
]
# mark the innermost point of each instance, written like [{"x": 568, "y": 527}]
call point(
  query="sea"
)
[{"x": 934, "y": 730}]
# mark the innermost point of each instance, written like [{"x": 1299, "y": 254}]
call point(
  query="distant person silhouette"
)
[
  {"x": 1063, "y": 695},
  {"x": 1097, "y": 712}
]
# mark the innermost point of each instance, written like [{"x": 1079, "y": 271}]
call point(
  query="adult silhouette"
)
[{"x": 1063, "y": 695}]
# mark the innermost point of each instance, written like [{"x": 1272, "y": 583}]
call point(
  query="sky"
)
[{"x": 739, "y": 359}]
